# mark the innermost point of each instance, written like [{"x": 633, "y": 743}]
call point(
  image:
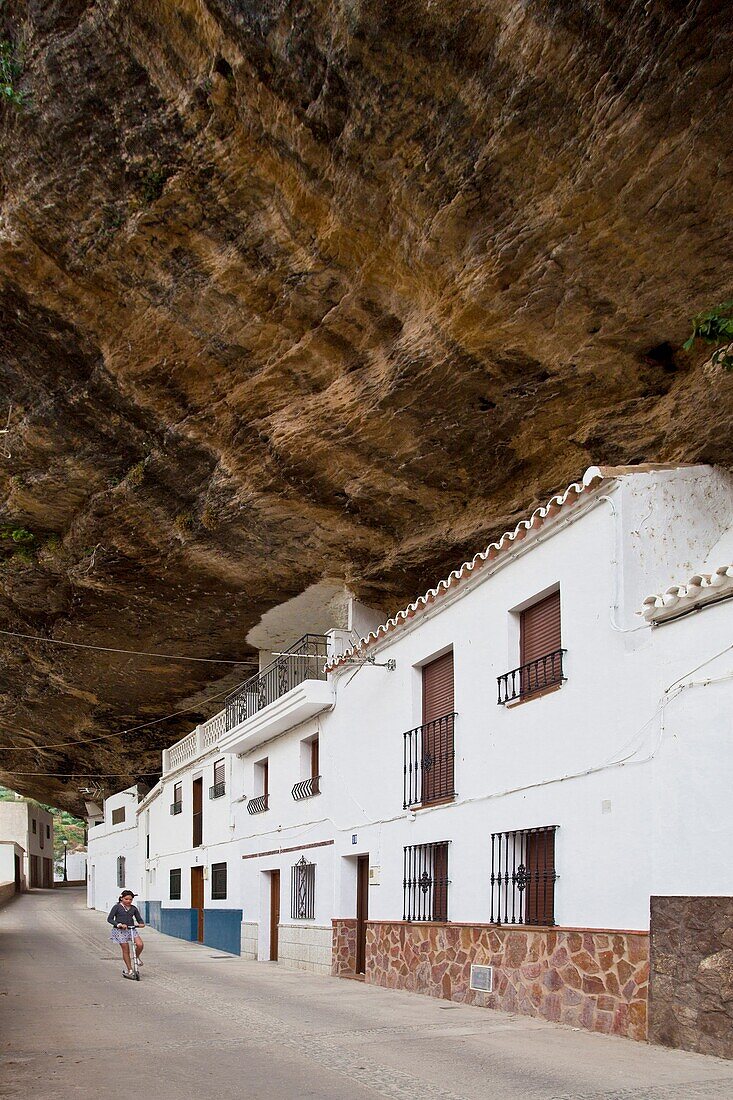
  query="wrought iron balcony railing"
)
[
  {"x": 429, "y": 762},
  {"x": 305, "y": 660},
  {"x": 217, "y": 790},
  {"x": 533, "y": 677},
  {"x": 307, "y": 788},
  {"x": 176, "y": 807},
  {"x": 258, "y": 805}
]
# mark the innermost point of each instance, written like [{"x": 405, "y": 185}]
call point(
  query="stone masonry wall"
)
[
  {"x": 343, "y": 957},
  {"x": 591, "y": 979},
  {"x": 691, "y": 984}
]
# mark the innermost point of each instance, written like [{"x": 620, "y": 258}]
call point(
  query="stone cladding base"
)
[
  {"x": 597, "y": 980},
  {"x": 305, "y": 947},
  {"x": 691, "y": 999},
  {"x": 250, "y": 930}
]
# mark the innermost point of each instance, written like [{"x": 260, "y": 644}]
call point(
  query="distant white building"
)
[
  {"x": 476, "y": 799},
  {"x": 31, "y": 827},
  {"x": 112, "y": 852},
  {"x": 76, "y": 866}
]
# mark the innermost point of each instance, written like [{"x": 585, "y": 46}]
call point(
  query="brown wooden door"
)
[
  {"x": 198, "y": 812},
  {"x": 274, "y": 913},
  {"x": 197, "y": 899},
  {"x": 18, "y": 875},
  {"x": 35, "y": 878},
  {"x": 362, "y": 911},
  {"x": 47, "y": 874},
  {"x": 437, "y": 735}
]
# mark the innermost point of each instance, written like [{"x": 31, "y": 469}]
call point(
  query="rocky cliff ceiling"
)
[{"x": 306, "y": 289}]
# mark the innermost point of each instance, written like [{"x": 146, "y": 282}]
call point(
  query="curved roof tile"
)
[{"x": 591, "y": 480}]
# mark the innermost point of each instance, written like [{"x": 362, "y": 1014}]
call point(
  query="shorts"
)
[{"x": 122, "y": 935}]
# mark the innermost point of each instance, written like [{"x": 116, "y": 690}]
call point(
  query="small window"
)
[
  {"x": 425, "y": 882},
  {"x": 120, "y": 871},
  {"x": 48, "y": 832},
  {"x": 523, "y": 876},
  {"x": 219, "y": 787},
  {"x": 118, "y": 815},
  {"x": 34, "y": 826},
  {"x": 218, "y": 881},
  {"x": 175, "y": 884},
  {"x": 177, "y": 803},
  {"x": 540, "y": 652},
  {"x": 303, "y": 890}
]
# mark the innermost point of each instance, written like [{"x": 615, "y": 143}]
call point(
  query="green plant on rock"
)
[
  {"x": 16, "y": 534},
  {"x": 10, "y": 71},
  {"x": 152, "y": 184},
  {"x": 715, "y": 326}
]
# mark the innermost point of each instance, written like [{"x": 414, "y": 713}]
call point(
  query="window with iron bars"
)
[
  {"x": 523, "y": 876},
  {"x": 218, "y": 881},
  {"x": 120, "y": 870},
  {"x": 425, "y": 882},
  {"x": 303, "y": 890},
  {"x": 175, "y": 884}
]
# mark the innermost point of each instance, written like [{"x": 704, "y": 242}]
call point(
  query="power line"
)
[
  {"x": 126, "y": 652},
  {"x": 77, "y": 775},
  {"x": 107, "y": 736}
]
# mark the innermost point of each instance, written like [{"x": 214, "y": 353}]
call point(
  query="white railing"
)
[
  {"x": 194, "y": 744},
  {"x": 212, "y": 730}
]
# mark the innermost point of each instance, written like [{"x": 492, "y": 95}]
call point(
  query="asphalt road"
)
[{"x": 203, "y": 1024}]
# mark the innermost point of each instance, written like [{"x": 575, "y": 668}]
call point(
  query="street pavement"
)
[{"x": 202, "y": 1023}]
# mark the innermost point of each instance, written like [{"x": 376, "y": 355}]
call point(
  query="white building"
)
[
  {"x": 478, "y": 800},
  {"x": 112, "y": 851},
  {"x": 31, "y": 827},
  {"x": 76, "y": 867}
]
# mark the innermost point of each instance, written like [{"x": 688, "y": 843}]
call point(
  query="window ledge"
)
[
  {"x": 531, "y": 696},
  {"x": 416, "y": 807}
]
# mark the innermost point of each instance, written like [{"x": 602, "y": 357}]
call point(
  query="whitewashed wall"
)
[
  {"x": 105, "y": 843},
  {"x": 523, "y": 766}
]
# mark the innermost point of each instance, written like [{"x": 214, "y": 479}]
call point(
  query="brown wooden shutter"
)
[
  {"x": 539, "y": 859},
  {"x": 437, "y": 737},
  {"x": 198, "y": 814},
  {"x": 219, "y": 771},
  {"x": 437, "y": 688},
  {"x": 315, "y": 764},
  {"x": 540, "y": 629}
]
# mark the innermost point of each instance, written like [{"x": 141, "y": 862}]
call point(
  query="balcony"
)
[
  {"x": 258, "y": 805},
  {"x": 217, "y": 790},
  {"x": 307, "y": 788},
  {"x": 429, "y": 763},
  {"x": 530, "y": 679},
  {"x": 203, "y": 739},
  {"x": 176, "y": 808},
  {"x": 290, "y": 690}
]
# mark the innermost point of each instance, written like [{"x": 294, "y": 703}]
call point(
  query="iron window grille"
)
[
  {"x": 307, "y": 788},
  {"x": 428, "y": 767},
  {"x": 176, "y": 808},
  {"x": 217, "y": 790},
  {"x": 304, "y": 660},
  {"x": 303, "y": 890},
  {"x": 527, "y": 679},
  {"x": 258, "y": 805},
  {"x": 175, "y": 884},
  {"x": 120, "y": 870},
  {"x": 218, "y": 881},
  {"x": 523, "y": 876},
  {"x": 425, "y": 882}
]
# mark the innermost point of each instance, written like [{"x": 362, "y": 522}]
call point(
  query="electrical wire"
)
[
  {"x": 108, "y": 736},
  {"x": 125, "y": 652},
  {"x": 78, "y": 775}
]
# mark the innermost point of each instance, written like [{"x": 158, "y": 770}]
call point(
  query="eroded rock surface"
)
[{"x": 303, "y": 289}]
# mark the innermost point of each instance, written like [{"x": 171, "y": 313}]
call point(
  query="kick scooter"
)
[{"x": 133, "y": 957}]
